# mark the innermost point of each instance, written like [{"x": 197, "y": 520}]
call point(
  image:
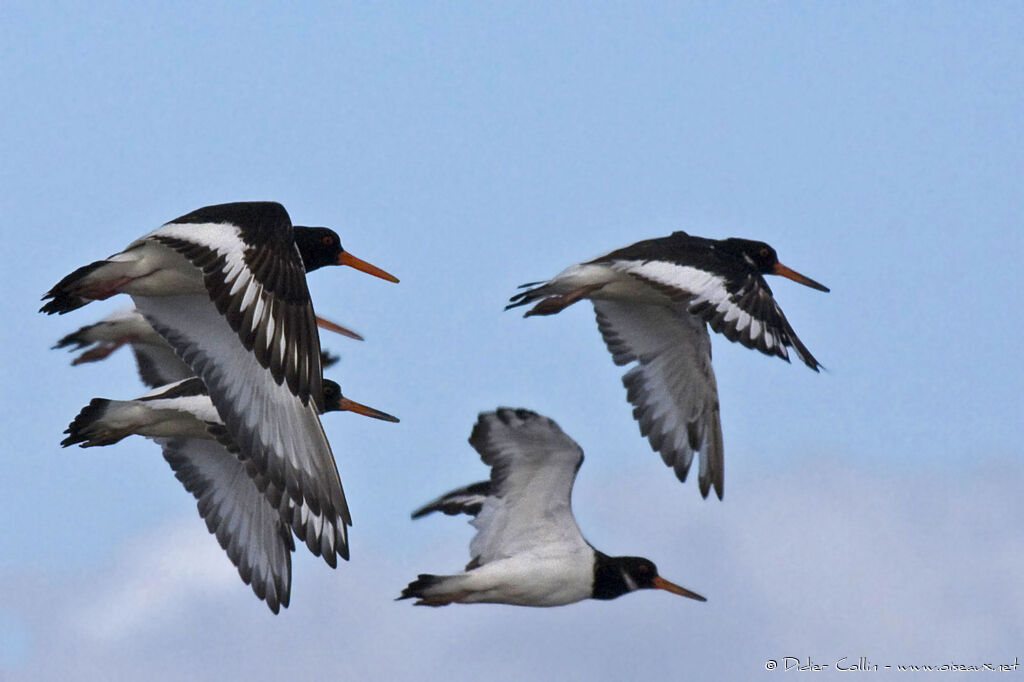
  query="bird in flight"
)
[
  {"x": 528, "y": 550},
  {"x": 654, "y": 301},
  {"x": 225, "y": 287},
  {"x": 252, "y": 521},
  {"x": 155, "y": 360}
]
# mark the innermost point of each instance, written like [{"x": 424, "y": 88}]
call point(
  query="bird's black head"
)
[
  {"x": 332, "y": 396},
  {"x": 334, "y": 401},
  {"x": 615, "y": 576},
  {"x": 641, "y": 571},
  {"x": 321, "y": 246},
  {"x": 757, "y": 255},
  {"x": 764, "y": 260}
]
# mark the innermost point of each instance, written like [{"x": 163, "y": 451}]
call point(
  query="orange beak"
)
[
  {"x": 352, "y": 406},
  {"x": 663, "y": 584},
  {"x": 783, "y": 271},
  {"x": 346, "y": 258},
  {"x": 337, "y": 328}
]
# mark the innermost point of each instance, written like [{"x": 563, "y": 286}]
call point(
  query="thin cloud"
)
[
  {"x": 812, "y": 562},
  {"x": 154, "y": 579}
]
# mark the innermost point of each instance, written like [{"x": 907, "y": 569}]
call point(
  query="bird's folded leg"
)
[{"x": 558, "y": 303}]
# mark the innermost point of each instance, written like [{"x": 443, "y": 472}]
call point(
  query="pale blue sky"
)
[{"x": 873, "y": 509}]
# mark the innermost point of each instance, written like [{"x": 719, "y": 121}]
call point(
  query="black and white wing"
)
[
  {"x": 742, "y": 309},
  {"x": 465, "y": 500},
  {"x": 273, "y": 427},
  {"x": 533, "y": 467},
  {"x": 158, "y": 364},
  {"x": 672, "y": 386},
  {"x": 255, "y": 276},
  {"x": 247, "y": 526},
  {"x": 324, "y": 536}
]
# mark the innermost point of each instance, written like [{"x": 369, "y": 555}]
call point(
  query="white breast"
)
[{"x": 533, "y": 579}]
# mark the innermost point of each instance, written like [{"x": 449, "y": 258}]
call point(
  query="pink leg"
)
[
  {"x": 104, "y": 289},
  {"x": 100, "y": 351},
  {"x": 558, "y": 303}
]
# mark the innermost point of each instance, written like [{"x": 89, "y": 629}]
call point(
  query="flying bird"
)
[
  {"x": 249, "y": 518},
  {"x": 654, "y": 301},
  {"x": 155, "y": 359},
  {"x": 225, "y": 286},
  {"x": 528, "y": 550}
]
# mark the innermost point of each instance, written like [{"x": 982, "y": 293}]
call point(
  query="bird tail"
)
[
  {"x": 93, "y": 425},
  {"x": 77, "y": 339},
  {"x": 532, "y": 292},
  {"x": 549, "y": 301},
  {"x": 434, "y": 590},
  {"x": 66, "y": 295}
]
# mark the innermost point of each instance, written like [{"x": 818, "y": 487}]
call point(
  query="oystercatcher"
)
[
  {"x": 528, "y": 550},
  {"x": 250, "y": 519},
  {"x": 654, "y": 301},
  {"x": 225, "y": 286},
  {"x": 155, "y": 359},
  {"x": 156, "y": 362}
]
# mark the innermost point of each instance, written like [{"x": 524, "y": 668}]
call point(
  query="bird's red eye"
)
[
  {"x": 764, "y": 252},
  {"x": 327, "y": 240}
]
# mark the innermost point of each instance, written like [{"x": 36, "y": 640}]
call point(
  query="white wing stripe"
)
[
  {"x": 695, "y": 282},
  {"x": 257, "y": 314},
  {"x": 237, "y": 283},
  {"x": 223, "y": 238},
  {"x": 252, "y": 292}
]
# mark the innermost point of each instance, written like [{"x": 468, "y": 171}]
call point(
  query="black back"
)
[
  {"x": 724, "y": 257},
  {"x": 260, "y": 222}
]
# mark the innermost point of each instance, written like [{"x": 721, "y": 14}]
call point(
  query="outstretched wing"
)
[
  {"x": 258, "y": 286},
  {"x": 273, "y": 428},
  {"x": 465, "y": 500},
  {"x": 672, "y": 386},
  {"x": 533, "y": 467},
  {"x": 158, "y": 364},
  {"x": 324, "y": 536},
  {"x": 742, "y": 310},
  {"x": 247, "y": 526}
]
